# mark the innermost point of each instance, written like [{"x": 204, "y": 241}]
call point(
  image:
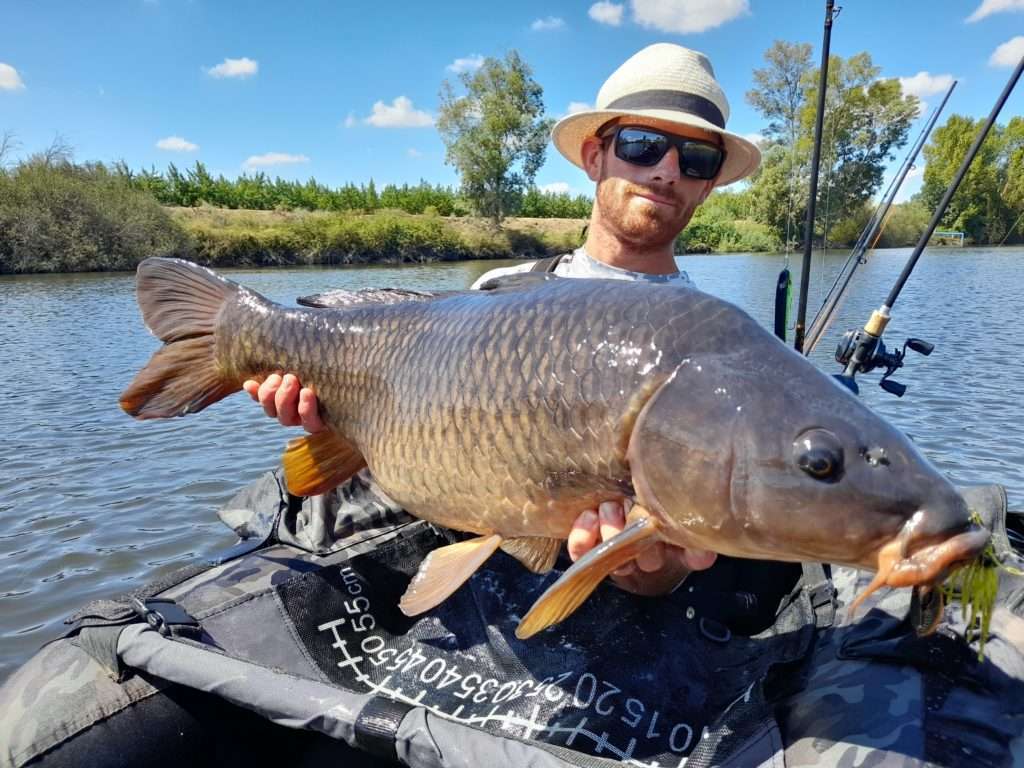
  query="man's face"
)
[{"x": 648, "y": 206}]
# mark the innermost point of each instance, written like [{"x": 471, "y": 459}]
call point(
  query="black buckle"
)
[
  {"x": 822, "y": 594},
  {"x": 822, "y": 597},
  {"x": 162, "y": 614}
]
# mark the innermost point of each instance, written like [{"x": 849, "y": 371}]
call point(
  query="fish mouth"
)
[
  {"x": 931, "y": 563},
  {"x": 928, "y": 564}
]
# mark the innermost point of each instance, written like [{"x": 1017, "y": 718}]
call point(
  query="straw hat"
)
[{"x": 663, "y": 83}]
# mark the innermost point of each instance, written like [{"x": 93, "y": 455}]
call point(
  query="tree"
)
[
  {"x": 866, "y": 119},
  {"x": 780, "y": 91},
  {"x": 990, "y": 200},
  {"x": 495, "y": 134}
]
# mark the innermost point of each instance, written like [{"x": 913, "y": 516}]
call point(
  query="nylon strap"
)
[
  {"x": 547, "y": 265},
  {"x": 377, "y": 725}
]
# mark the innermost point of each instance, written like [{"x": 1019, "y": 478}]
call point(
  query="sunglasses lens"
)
[
  {"x": 700, "y": 161},
  {"x": 640, "y": 147}
]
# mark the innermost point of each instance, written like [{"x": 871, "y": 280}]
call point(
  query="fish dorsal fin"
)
[
  {"x": 535, "y": 552},
  {"x": 316, "y": 463},
  {"x": 445, "y": 570},
  {"x": 342, "y": 299},
  {"x": 575, "y": 585}
]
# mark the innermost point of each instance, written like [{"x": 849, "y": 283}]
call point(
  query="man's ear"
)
[
  {"x": 592, "y": 154},
  {"x": 708, "y": 186}
]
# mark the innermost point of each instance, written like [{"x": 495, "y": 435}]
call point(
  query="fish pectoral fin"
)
[
  {"x": 445, "y": 570},
  {"x": 316, "y": 463},
  {"x": 535, "y": 552},
  {"x": 575, "y": 585}
]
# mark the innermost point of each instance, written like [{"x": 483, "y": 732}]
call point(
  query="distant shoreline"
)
[
  {"x": 243, "y": 238},
  {"x": 226, "y": 237}
]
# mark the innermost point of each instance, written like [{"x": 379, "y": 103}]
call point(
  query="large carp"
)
[{"x": 506, "y": 412}]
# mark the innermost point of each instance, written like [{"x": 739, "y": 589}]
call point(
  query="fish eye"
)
[{"x": 819, "y": 453}]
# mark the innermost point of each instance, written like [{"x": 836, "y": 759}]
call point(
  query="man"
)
[{"x": 655, "y": 146}]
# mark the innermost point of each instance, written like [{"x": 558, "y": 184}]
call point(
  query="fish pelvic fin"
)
[
  {"x": 316, "y": 463},
  {"x": 180, "y": 302},
  {"x": 535, "y": 552},
  {"x": 575, "y": 585},
  {"x": 445, "y": 570}
]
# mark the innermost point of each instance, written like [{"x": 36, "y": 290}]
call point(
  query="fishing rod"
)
[
  {"x": 868, "y": 237},
  {"x": 801, "y": 316},
  {"x": 862, "y": 350}
]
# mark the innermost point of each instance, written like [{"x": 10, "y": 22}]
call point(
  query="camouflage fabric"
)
[
  {"x": 60, "y": 692},
  {"x": 866, "y": 704}
]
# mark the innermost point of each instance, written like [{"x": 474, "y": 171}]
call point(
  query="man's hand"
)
[
  {"x": 284, "y": 399},
  {"x": 656, "y": 571}
]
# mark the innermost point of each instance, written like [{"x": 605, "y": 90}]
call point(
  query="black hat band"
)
[{"x": 691, "y": 103}]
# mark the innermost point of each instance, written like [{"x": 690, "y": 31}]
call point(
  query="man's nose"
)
[{"x": 668, "y": 167}]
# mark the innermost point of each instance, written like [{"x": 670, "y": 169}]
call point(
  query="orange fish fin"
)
[
  {"x": 180, "y": 379},
  {"x": 316, "y": 463},
  {"x": 535, "y": 552},
  {"x": 445, "y": 570},
  {"x": 575, "y": 585},
  {"x": 180, "y": 302}
]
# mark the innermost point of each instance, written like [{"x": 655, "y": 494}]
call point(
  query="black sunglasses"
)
[{"x": 647, "y": 146}]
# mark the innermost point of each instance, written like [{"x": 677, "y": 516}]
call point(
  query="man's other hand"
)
[
  {"x": 656, "y": 571},
  {"x": 284, "y": 399}
]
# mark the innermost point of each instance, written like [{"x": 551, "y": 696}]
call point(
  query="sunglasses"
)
[{"x": 646, "y": 146}]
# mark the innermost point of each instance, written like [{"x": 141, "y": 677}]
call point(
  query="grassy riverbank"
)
[
  {"x": 57, "y": 216},
  {"x": 222, "y": 237}
]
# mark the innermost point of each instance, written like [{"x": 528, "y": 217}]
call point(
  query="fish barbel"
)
[{"x": 506, "y": 412}]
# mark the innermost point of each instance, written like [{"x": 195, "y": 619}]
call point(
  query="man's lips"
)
[{"x": 656, "y": 198}]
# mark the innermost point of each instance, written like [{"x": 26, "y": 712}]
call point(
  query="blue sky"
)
[{"x": 291, "y": 88}]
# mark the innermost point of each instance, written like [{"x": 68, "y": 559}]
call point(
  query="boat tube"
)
[{"x": 292, "y": 647}]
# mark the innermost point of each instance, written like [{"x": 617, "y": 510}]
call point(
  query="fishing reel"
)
[{"x": 859, "y": 352}]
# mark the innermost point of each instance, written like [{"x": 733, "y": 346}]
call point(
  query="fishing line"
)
[
  {"x": 869, "y": 235},
  {"x": 1010, "y": 230}
]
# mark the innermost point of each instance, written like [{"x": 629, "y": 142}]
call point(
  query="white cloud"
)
[
  {"x": 468, "y": 64},
  {"x": 10, "y": 80},
  {"x": 351, "y": 120},
  {"x": 754, "y": 138},
  {"x": 605, "y": 12},
  {"x": 413, "y": 152},
  {"x": 577, "y": 106},
  {"x": 273, "y": 158},
  {"x": 926, "y": 84},
  {"x": 1009, "y": 53},
  {"x": 555, "y": 188},
  {"x": 988, "y": 7},
  {"x": 687, "y": 16},
  {"x": 243, "y": 67},
  {"x": 176, "y": 144},
  {"x": 399, "y": 114},
  {"x": 547, "y": 24}
]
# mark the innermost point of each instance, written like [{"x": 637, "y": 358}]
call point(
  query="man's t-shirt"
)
[{"x": 579, "y": 263}]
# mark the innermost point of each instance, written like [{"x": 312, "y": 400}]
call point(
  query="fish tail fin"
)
[{"x": 180, "y": 302}]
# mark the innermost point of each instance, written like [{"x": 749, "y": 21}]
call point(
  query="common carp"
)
[{"x": 505, "y": 412}]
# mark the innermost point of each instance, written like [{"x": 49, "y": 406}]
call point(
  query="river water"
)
[{"x": 93, "y": 503}]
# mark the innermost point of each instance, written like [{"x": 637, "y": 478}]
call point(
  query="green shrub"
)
[
  {"x": 56, "y": 216},
  {"x": 706, "y": 234}
]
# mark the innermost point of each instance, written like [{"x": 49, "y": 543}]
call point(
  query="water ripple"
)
[{"x": 95, "y": 503}]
